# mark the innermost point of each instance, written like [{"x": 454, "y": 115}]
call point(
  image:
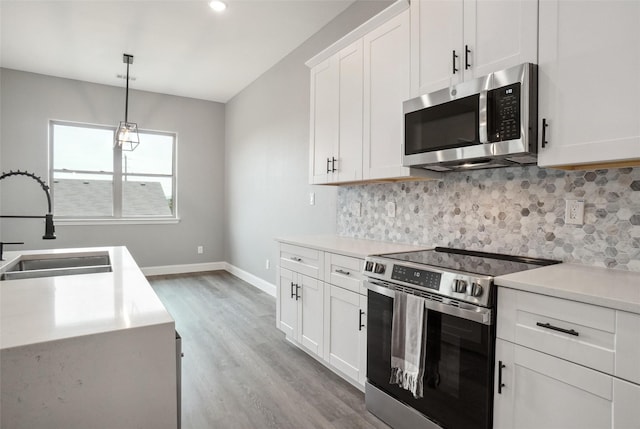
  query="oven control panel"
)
[
  {"x": 455, "y": 285},
  {"x": 424, "y": 278}
]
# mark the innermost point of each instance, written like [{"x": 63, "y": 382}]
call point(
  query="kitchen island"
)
[{"x": 86, "y": 350}]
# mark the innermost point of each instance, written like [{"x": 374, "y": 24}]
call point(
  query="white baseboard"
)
[
  {"x": 255, "y": 281},
  {"x": 182, "y": 269}
]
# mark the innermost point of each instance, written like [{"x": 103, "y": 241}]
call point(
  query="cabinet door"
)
[
  {"x": 541, "y": 391},
  {"x": 350, "y": 110},
  {"x": 436, "y": 31},
  {"x": 344, "y": 332},
  {"x": 324, "y": 120},
  {"x": 626, "y": 409},
  {"x": 499, "y": 34},
  {"x": 386, "y": 77},
  {"x": 310, "y": 314},
  {"x": 287, "y": 307},
  {"x": 589, "y": 83}
]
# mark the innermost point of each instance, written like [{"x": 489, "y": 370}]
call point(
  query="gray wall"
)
[
  {"x": 29, "y": 101},
  {"x": 267, "y": 155}
]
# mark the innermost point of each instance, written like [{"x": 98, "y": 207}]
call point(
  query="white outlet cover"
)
[
  {"x": 574, "y": 212},
  {"x": 391, "y": 209},
  {"x": 312, "y": 198}
]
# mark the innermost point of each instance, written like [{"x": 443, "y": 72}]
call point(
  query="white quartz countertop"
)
[
  {"x": 355, "y": 247},
  {"x": 53, "y": 308},
  {"x": 615, "y": 289}
]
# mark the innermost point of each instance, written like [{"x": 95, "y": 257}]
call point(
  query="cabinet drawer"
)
[
  {"x": 575, "y": 331},
  {"x": 628, "y": 346},
  {"x": 302, "y": 260},
  {"x": 345, "y": 271}
]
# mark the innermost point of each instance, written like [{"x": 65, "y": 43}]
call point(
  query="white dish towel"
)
[{"x": 408, "y": 341}]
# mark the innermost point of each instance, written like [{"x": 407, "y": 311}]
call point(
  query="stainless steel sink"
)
[{"x": 51, "y": 265}]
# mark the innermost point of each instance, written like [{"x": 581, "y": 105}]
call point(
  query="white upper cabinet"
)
[
  {"x": 589, "y": 83},
  {"x": 336, "y": 117},
  {"x": 324, "y": 120},
  {"x": 436, "y": 32},
  {"x": 456, "y": 40},
  {"x": 386, "y": 79},
  {"x": 358, "y": 85}
]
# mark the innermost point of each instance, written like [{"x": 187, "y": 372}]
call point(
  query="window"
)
[{"x": 93, "y": 180}]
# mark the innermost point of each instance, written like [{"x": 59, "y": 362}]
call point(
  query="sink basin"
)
[{"x": 51, "y": 265}]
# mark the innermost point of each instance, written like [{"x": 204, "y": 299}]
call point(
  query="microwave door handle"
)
[{"x": 482, "y": 117}]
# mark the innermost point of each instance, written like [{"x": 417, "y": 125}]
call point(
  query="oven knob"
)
[
  {"x": 368, "y": 266},
  {"x": 379, "y": 269},
  {"x": 459, "y": 286},
  {"x": 476, "y": 289}
]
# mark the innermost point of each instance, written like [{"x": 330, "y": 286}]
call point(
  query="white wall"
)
[
  {"x": 29, "y": 101},
  {"x": 267, "y": 155}
]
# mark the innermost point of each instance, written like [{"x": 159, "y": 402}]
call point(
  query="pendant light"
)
[{"x": 127, "y": 135}]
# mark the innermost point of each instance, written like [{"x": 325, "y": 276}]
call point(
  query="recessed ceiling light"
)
[{"x": 217, "y": 5}]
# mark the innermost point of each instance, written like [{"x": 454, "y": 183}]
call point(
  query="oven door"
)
[{"x": 458, "y": 380}]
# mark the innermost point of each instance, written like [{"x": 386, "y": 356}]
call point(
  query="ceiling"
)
[{"x": 180, "y": 47}]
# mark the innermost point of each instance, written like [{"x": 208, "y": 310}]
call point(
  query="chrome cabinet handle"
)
[
  {"x": 295, "y": 258},
  {"x": 346, "y": 273},
  {"x": 555, "y": 328},
  {"x": 360, "y": 325},
  {"x": 500, "y": 383}
]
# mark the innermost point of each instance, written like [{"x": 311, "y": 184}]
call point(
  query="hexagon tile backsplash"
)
[{"x": 518, "y": 211}]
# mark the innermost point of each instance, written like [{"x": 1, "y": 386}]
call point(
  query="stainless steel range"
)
[{"x": 459, "y": 325}]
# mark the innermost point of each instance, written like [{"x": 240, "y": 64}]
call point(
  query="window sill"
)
[{"x": 124, "y": 221}]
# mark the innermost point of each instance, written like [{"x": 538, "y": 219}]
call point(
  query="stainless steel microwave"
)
[{"x": 482, "y": 123}]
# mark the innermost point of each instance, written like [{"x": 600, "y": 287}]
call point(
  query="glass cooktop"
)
[{"x": 472, "y": 262}]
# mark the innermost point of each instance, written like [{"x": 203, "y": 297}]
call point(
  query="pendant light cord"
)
[{"x": 126, "y": 98}]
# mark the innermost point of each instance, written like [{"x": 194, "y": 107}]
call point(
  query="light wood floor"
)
[{"x": 238, "y": 370}]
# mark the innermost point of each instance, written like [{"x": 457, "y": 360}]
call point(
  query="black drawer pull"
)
[
  {"x": 346, "y": 273},
  {"x": 500, "y": 383},
  {"x": 544, "y": 132},
  {"x": 454, "y": 57},
  {"x": 555, "y": 328},
  {"x": 360, "y": 325},
  {"x": 295, "y": 258}
]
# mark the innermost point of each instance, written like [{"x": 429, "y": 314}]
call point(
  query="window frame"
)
[{"x": 118, "y": 180}]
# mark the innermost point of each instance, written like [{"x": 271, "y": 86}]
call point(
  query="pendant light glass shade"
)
[{"x": 127, "y": 137}]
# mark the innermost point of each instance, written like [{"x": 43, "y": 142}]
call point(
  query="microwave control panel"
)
[{"x": 503, "y": 106}]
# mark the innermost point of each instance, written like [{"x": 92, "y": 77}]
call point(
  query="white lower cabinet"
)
[
  {"x": 300, "y": 304},
  {"x": 555, "y": 365},
  {"x": 542, "y": 391},
  {"x": 321, "y": 306},
  {"x": 345, "y": 335}
]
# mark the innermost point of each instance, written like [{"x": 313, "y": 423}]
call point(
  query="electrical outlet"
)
[
  {"x": 574, "y": 212},
  {"x": 200, "y": 250},
  {"x": 312, "y": 198},
  {"x": 267, "y": 264},
  {"x": 391, "y": 209}
]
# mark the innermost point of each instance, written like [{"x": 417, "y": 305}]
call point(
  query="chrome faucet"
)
[{"x": 49, "y": 229}]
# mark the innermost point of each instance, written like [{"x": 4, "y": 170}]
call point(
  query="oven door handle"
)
[{"x": 473, "y": 313}]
